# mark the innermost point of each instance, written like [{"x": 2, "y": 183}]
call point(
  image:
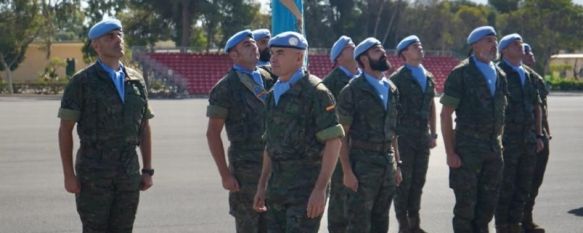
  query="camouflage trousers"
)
[
  {"x": 476, "y": 185},
  {"x": 368, "y": 208},
  {"x": 542, "y": 158},
  {"x": 289, "y": 189},
  {"x": 519, "y": 165},
  {"x": 108, "y": 204},
  {"x": 110, "y": 187},
  {"x": 336, "y": 205},
  {"x": 247, "y": 173},
  {"x": 414, "y": 154}
]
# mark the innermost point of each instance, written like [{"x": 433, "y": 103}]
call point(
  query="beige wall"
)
[
  {"x": 35, "y": 60},
  {"x": 576, "y": 64}
]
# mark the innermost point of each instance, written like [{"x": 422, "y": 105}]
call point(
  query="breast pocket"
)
[{"x": 135, "y": 103}]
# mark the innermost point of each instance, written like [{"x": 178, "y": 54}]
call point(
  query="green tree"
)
[
  {"x": 504, "y": 6},
  {"x": 62, "y": 20},
  {"x": 19, "y": 26},
  {"x": 144, "y": 26},
  {"x": 548, "y": 26}
]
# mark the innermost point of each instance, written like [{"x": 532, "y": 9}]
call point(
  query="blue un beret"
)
[
  {"x": 479, "y": 33},
  {"x": 260, "y": 34},
  {"x": 527, "y": 48},
  {"x": 409, "y": 40},
  {"x": 338, "y": 46},
  {"x": 237, "y": 38},
  {"x": 507, "y": 40},
  {"x": 363, "y": 46},
  {"x": 104, "y": 26},
  {"x": 289, "y": 40}
]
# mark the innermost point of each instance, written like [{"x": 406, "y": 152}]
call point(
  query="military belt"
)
[
  {"x": 377, "y": 147},
  {"x": 413, "y": 123},
  {"x": 278, "y": 165},
  {"x": 518, "y": 129},
  {"x": 248, "y": 145},
  {"x": 108, "y": 144},
  {"x": 477, "y": 135}
]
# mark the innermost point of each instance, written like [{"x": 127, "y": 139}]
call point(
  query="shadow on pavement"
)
[{"x": 577, "y": 212}]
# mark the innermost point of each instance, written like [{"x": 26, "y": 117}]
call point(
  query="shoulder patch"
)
[
  {"x": 134, "y": 74},
  {"x": 501, "y": 71},
  {"x": 265, "y": 74},
  {"x": 462, "y": 63},
  {"x": 392, "y": 85},
  {"x": 331, "y": 108}
]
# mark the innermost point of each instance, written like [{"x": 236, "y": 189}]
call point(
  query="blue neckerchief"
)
[
  {"x": 117, "y": 77},
  {"x": 281, "y": 87},
  {"x": 262, "y": 63},
  {"x": 419, "y": 74},
  {"x": 489, "y": 72},
  {"x": 348, "y": 73},
  {"x": 381, "y": 86},
  {"x": 255, "y": 74},
  {"x": 518, "y": 69}
]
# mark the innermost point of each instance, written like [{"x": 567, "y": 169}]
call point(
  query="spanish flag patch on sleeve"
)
[{"x": 331, "y": 107}]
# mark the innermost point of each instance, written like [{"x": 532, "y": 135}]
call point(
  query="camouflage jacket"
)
[
  {"x": 479, "y": 115},
  {"x": 335, "y": 81},
  {"x": 415, "y": 106},
  {"x": 360, "y": 107},
  {"x": 91, "y": 99},
  {"x": 543, "y": 92},
  {"x": 236, "y": 99},
  {"x": 303, "y": 120},
  {"x": 522, "y": 100}
]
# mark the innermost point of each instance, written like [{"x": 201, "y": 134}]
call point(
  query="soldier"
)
[
  {"x": 237, "y": 102},
  {"x": 341, "y": 54},
  {"x": 542, "y": 157},
  {"x": 261, "y": 37},
  {"x": 108, "y": 103},
  {"x": 302, "y": 142},
  {"x": 476, "y": 91},
  {"x": 523, "y": 120},
  {"x": 367, "y": 110},
  {"x": 416, "y": 130}
]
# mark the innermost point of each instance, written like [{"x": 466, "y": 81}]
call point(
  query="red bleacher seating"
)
[{"x": 202, "y": 71}]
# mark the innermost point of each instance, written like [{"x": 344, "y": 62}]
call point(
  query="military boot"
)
[
  {"x": 529, "y": 226},
  {"x": 403, "y": 224},
  {"x": 502, "y": 228},
  {"x": 482, "y": 229},
  {"x": 414, "y": 224},
  {"x": 515, "y": 228}
]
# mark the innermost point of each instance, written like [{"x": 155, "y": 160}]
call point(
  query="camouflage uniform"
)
[
  {"x": 109, "y": 130},
  {"x": 542, "y": 157},
  {"x": 296, "y": 131},
  {"x": 236, "y": 99},
  {"x": 519, "y": 141},
  {"x": 371, "y": 157},
  {"x": 337, "y": 221},
  {"x": 413, "y": 128},
  {"x": 479, "y": 125}
]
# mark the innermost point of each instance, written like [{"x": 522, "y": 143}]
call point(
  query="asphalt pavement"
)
[{"x": 187, "y": 195}]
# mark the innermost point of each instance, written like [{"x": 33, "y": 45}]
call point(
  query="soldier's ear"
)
[
  {"x": 233, "y": 54},
  {"x": 300, "y": 57}
]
